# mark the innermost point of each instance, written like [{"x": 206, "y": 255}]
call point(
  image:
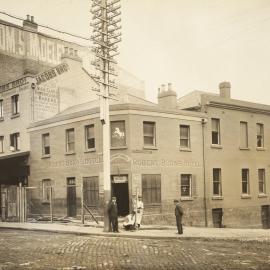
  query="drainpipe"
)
[{"x": 204, "y": 177}]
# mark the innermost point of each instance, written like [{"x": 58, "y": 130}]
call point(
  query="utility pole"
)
[{"x": 105, "y": 36}]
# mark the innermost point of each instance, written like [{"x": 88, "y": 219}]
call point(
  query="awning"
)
[{"x": 14, "y": 168}]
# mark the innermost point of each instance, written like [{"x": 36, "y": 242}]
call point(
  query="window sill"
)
[
  {"x": 150, "y": 147},
  {"x": 260, "y": 149},
  {"x": 17, "y": 150},
  {"x": 90, "y": 150},
  {"x": 118, "y": 147},
  {"x": 244, "y": 148},
  {"x": 184, "y": 149},
  {"x": 70, "y": 153},
  {"x": 1, "y": 119},
  {"x": 217, "y": 197},
  {"x": 45, "y": 203},
  {"x": 186, "y": 199},
  {"x": 245, "y": 196},
  {"x": 262, "y": 195},
  {"x": 46, "y": 156},
  {"x": 217, "y": 146},
  {"x": 15, "y": 115}
]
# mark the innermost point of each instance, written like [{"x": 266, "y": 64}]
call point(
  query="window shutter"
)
[{"x": 194, "y": 186}]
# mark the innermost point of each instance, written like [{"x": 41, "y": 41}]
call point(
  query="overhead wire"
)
[{"x": 46, "y": 26}]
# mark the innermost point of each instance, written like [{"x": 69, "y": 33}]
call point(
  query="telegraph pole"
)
[{"x": 106, "y": 19}]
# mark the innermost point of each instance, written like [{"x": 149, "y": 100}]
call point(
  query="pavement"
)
[{"x": 145, "y": 232}]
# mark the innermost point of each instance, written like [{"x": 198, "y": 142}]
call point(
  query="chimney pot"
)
[
  {"x": 225, "y": 89},
  {"x": 32, "y": 18},
  {"x": 169, "y": 87},
  {"x": 163, "y": 89},
  {"x": 75, "y": 52},
  {"x": 71, "y": 51},
  {"x": 28, "y": 17}
]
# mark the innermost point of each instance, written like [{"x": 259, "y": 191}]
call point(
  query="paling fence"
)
[{"x": 55, "y": 203}]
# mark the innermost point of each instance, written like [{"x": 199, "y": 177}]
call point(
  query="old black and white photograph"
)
[{"x": 134, "y": 134}]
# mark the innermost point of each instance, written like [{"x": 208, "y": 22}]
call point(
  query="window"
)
[
  {"x": 149, "y": 133},
  {"x": 45, "y": 144},
  {"x": 151, "y": 188},
  {"x": 186, "y": 185},
  {"x": 184, "y": 136},
  {"x": 91, "y": 190},
  {"x": 261, "y": 176},
  {"x": 118, "y": 134},
  {"x": 70, "y": 140},
  {"x": 89, "y": 137},
  {"x": 15, "y": 104},
  {"x": 1, "y": 108},
  {"x": 1, "y": 144},
  {"x": 15, "y": 141},
  {"x": 217, "y": 182},
  {"x": 245, "y": 181},
  {"x": 46, "y": 185},
  {"x": 215, "y": 131},
  {"x": 260, "y": 135},
  {"x": 243, "y": 135}
]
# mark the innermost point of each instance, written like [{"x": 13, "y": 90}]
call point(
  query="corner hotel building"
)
[{"x": 208, "y": 150}]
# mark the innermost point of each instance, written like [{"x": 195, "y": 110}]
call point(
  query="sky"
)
[{"x": 193, "y": 44}]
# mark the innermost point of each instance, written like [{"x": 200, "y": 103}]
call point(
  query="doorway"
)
[
  {"x": 266, "y": 216},
  {"x": 217, "y": 214},
  {"x": 120, "y": 191},
  {"x": 71, "y": 197}
]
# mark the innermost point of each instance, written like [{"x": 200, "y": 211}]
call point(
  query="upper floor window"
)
[
  {"x": 118, "y": 134},
  {"x": 15, "y": 104},
  {"x": 15, "y": 141},
  {"x": 245, "y": 181},
  {"x": 243, "y": 135},
  {"x": 70, "y": 140},
  {"x": 89, "y": 137},
  {"x": 1, "y": 144},
  {"x": 151, "y": 188},
  {"x": 46, "y": 190},
  {"x": 1, "y": 108},
  {"x": 186, "y": 185},
  {"x": 215, "y": 131},
  {"x": 261, "y": 176},
  {"x": 260, "y": 135},
  {"x": 184, "y": 136},
  {"x": 149, "y": 133},
  {"x": 45, "y": 144},
  {"x": 217, "y": 182}
]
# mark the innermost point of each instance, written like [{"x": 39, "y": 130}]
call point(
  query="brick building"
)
[
  {"x": 236, "y": 158},
  {"x": 142, "y": 159}
]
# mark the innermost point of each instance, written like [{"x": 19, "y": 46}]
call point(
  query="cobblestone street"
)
[{"x": 41, "y": 250}]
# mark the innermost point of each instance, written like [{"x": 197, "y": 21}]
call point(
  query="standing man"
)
[
  {"x": 139, "y": 211},
  {"x": 178, "y": 215},
  {"x": 113, "y": 215}
]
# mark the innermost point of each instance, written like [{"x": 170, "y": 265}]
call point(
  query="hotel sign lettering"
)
[{"x": 16, "y": 41}]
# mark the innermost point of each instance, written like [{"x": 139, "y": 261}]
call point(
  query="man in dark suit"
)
[
  {"x": 178, "y": 216},
  {"x": 113, "y": 215}
]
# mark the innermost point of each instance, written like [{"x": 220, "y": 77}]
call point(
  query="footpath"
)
[{"x": 146, "y": 231}]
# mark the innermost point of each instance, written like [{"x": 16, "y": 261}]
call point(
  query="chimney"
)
[
  {"x": 29, "y": 24},
  {"x": 70, "y": 53},
  {"x": 167, "y": 99},
  {"x": 225, "y": 89}
]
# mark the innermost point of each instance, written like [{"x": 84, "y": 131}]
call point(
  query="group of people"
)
[{"x": 133, "y": 220}]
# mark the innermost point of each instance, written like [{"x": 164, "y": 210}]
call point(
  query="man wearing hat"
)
[
  {"x": 178, "y": 215},
  {"x": 139, "y": 213},
  {"x": 113, "y": 215}
]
